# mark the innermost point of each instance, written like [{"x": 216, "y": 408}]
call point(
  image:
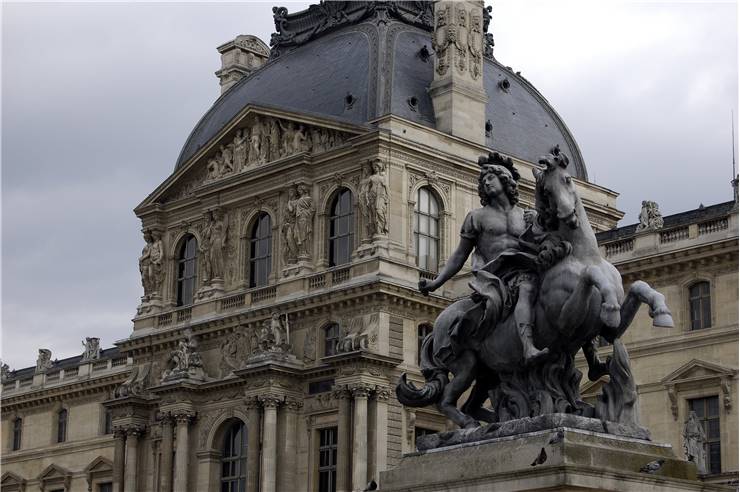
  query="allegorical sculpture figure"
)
[
  {"x": 184, "y": 362},
  {"x": 43, "y": 361},
  {"x": 233, "y": 352},
  {"x": 241, "y": 149},
  {"x": 92, "y": 349},
  {"x": 304, "y": 210},
  {"x": 4, "y": 372},
  {"x": 290, "y": 248},
  {"x": 213, "y": 245},
  {"x": 694, "y": 439},
  {"x": 650, "y": 217},
  {"x": 374, "y": 199},
  {"x": 272, "y": 336},
  {"x": 541, "y": 292},
  {"x": 150, "y": 263}
]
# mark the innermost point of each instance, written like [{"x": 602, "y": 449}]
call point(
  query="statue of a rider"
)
[{"x": 504, "y": 265}]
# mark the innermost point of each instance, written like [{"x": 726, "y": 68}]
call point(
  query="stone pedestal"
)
[{"x": 556, "y": 459}]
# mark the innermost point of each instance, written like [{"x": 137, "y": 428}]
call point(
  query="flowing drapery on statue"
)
[{"x": 541, "y": 292}]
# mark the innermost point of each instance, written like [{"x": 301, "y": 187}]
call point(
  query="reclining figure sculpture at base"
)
[{"x": 541, "y": 292}]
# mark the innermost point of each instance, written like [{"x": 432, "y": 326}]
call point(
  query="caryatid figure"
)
[
  {"x": 304, "y": 212},
  {"x": 374, "y": 199},
  {"x": 241, "y": 149}
]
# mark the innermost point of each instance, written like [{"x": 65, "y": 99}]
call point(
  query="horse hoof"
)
[{"x": 663, "y": 321}]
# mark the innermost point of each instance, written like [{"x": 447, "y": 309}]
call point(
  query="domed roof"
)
[{"x": 337, "y": 73}]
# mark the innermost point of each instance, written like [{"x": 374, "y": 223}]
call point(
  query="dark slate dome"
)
[{"x": 338, "y": 50}]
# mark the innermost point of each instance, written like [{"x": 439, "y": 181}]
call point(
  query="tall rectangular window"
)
[
  {"x": 108, "y": 426},
  {"x": 105, "y": 487},
  {"x": 700, "y": 306},
  {"x": 62, "y": 425},
  {"x": 707, "y": 411},
  {"x": 328, "y": 460},
  {"x": 17, "y": 430}
]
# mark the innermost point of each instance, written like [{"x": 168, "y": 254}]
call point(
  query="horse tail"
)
[{"x": 436, "y": 379}]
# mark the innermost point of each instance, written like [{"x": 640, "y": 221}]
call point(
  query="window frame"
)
[
  {"x": 181, "y": 264},
  {"x": 62, "y": 424},
  {"x": 704, "y": 300},
  {"x": 333, "y": 340},
  {"x": 266, "y": 259},
  {"x": 332, "y": 448},
  {"x": 348, "y": 236},
  {"x": 17, "y": 442},
  {"x": 430, "y": 218},
  {"x": 234, "y": 483},
  {"x": 704, "y": 419}
]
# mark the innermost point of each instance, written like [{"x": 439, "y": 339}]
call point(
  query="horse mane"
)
[{"x": 548, "y": 218}]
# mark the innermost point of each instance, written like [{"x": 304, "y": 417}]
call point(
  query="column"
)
[
  {"x": 343, "y": 438},
  {"x": 359, "y": 447},
  {"x": 182, "y": 451},
  {"x": 287, "y": 456},
  {"x": 253, "y": 445},
  {"x": 119, "y": 463},
  {"x": 269, "y": 443},
  {"x": 132, "y": 443},
  {"x": 165, "y": 471},
  {"x": 379, "y": 432}
]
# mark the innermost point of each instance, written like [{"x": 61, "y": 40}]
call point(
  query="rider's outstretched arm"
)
[{"x": 454, "y": 263}]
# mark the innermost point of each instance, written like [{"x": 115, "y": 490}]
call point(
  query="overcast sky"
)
[{"x": 98, "y": 99}]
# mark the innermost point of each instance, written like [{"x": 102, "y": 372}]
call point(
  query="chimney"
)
[
  {"x": 239, "y": 58},
  {"x": 457, "y": 91}
]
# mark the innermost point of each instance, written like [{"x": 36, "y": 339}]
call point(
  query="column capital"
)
[
  {"x": 251, "y": 403},
  {"x": 381, "y": 393},
  {"x": 341, "y": 392},
  {"x": 294, "y": 404},
  {"x": 119, "y": 432},
  {"x": 134, "y": 430},
  {"x": 361, "y": 390},
  {"x": 183, "y": 417},
  {"x": 165, "y": 418},
  {"x": 270, "y": 401}
]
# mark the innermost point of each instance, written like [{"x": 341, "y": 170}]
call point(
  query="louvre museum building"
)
[{"x": 282, "y": 259}]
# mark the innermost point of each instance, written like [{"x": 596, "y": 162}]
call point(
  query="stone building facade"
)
[{"x": 282, "y": 258}]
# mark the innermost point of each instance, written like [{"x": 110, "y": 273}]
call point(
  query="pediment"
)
[
  {"x": 54, "y": 472},
  {"x": 255, "y": 138},
  {"x": 98, "y": 465},
  {"x": 698, "y": 370},
  {"x": 11, "y": 479}
]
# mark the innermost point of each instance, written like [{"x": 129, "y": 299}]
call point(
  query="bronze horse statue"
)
[{"x": 580, "y": 298}]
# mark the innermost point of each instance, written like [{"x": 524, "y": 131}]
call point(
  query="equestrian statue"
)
[{"x": 541, "y": 292}]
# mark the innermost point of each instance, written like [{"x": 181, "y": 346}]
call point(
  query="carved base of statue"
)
[
  {"x": 552, "y": 455},
  {"x": 214, "y": 289},
  {"x": 150, "y": 304},
  {"x": 301, "y": 267},
  {"x": 191, "y": 373},
  {"x": 376, "y": 246}
]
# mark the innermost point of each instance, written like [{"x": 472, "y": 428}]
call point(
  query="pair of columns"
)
[
  {"x": 175, "y": 425},
  {"x": 126, "y": 457},
  {"x": 278, "y": 429},
  {"x": 369, "y": 423}
]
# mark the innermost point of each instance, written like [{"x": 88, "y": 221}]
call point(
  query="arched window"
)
[
  {"x": 62, "y": 425},
  {"x": 331, "y": 338},
  {"x": 700, "y": 306},
  {"x": 234, "y": 459},
  {"x": 426, "y": 230},
  {"x": 260, "y": 252},
  {"x": 421, "y": 333},
  {"x": 17, "y": 433},
  {"x": 340, "y": 228},
  {"x": 187, "y": 266}
]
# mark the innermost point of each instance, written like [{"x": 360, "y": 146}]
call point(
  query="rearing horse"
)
[{"x": 580, "y": 297}]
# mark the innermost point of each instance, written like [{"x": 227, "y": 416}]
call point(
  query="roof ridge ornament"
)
[{"x": 293, "y": 30}]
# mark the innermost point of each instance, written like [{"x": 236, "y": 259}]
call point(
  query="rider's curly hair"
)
[{"x": 493, "y": 164}]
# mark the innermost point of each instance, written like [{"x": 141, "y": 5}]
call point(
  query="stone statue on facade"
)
[
  {"x": 272, "y": 337},
  {"x": 184, "y": 362},
  {"x": 304, "y": 211},
  {"x": 290, "y": 247},
  {"x": 4, "y": 372},
  {"x": 374, "y": 199},
  {"x": 227, "y": 159},
  {"x": 233, "y": 352},
  {"x": 150, "y": 263},
  {"x": 650, "y": 217},
  {"x": 241, "y": 149},
  {"x": 541, "y": 292},
  {"x": 136, "y": 383},
  {"x": 276, "y": 149},
  {"x": 92, "y": 349},
  {"x": 694, "y": 439},
  {"x": 43, "y": 361},
  {"x": 255, "y": 141},
  {"x": 213, "y": 245}
]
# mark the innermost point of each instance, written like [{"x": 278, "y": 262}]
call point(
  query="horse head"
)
[{"x": 555, "y": 193}]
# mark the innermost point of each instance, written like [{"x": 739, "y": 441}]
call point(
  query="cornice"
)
[
  {"x": 65, "y": 392},
  {"x": 98, "y": 442},
  {"x": 672, "y": 258}
]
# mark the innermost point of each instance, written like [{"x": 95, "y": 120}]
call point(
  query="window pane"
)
[
  {"x": 706, "y": 313},
  {"x": 423, "y": 200},
  {"x": 433, "y": 208}
]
